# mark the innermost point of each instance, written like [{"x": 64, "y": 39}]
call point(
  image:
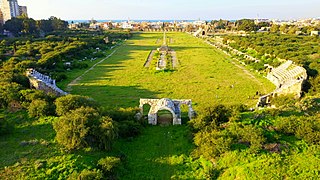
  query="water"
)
[{"x": 86, "y": 21}]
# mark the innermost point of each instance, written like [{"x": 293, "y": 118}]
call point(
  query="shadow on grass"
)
[
  {"x": 27, "y": 141},
  {"x": 148, "y": 156}
]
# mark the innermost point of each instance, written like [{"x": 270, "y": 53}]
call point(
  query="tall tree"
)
[
  {"x": 246, "y": 25},
  {"x": 14, "y": 25}
]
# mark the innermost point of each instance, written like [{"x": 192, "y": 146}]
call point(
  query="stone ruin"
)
[
  {"x": 164, "y": 52},
  {"x": 43, "y": 82},
  {"x": 166, "y": 104},
  {"x": 288, "y": 79}
]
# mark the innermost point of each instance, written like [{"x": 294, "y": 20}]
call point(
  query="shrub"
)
[
  {"x": 211, "y": 144},
  {"x": 84, "y": 127},
  {"x": 129, "y": 129},
  {"x": 90, "y": 174},
  {"x": 75, "y": 129},
  {"x": 38, "y": 108},
  {"x": 213, "y": 117},
  {"x": 109, "y": 164},
  {"x": 249, "y": 135},
  {"x": 306, "y": 128},
  {"x": 108, "y": 132},
  {"x": 70, "y": 102},
  {"x": 284, "y": 102}
]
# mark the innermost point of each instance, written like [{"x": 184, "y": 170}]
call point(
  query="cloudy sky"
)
[{"x": 172, "y": 9}]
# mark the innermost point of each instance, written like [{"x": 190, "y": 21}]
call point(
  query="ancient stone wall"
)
[{"x": 43, "y": 82}]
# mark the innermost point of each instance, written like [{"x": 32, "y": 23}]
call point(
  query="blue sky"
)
[{"x": 172, "y": 9}]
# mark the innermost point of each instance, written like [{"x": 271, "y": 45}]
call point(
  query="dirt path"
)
[
  {"x": 250, "y": 74},
  {"x": 75, "y": 81}
]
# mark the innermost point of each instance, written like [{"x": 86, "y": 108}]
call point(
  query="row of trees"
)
[
  {"x": 23, "y": 25},
  {"x": 249, "y": 25},
  {"x": 267, "y": 47}
]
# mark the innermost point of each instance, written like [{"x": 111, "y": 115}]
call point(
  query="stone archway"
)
[
  {"x": 171, "y": 105},
  {"x": 161, "y": 121}
]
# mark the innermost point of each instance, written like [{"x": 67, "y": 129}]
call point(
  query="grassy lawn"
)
[
  {"x": 147, "y": 156},
  {"x": 205, "y": 75}
]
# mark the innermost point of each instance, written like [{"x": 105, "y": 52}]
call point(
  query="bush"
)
[
  {"x": 38, "y": 108},
  {"x": 248, "y": 135},
  {"x": 90, "y": 174},
  {"x": 211, "y": 144},
  {"x": 306, "y": 128},
  {"x": 109, "y": 164},
  {"x": 284, "y": 102},
  {"x": 108, "y": 132},
  {"x": 212, "y": 117},
  {"x": 76, "y": 129},
  {"x": 70, "y": 102},
  {"x": 84, "y": 127}
]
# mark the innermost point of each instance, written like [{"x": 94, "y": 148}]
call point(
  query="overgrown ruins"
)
[
  {"x": 43, "y": 82},
  {"x": 288, "y": 79}
]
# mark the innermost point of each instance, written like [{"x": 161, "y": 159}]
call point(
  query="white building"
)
[
  {"x": 10, "y": 9},
  {"x": 126, "y": 25}
]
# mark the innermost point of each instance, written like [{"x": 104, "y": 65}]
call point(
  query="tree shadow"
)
[{"x": 27, "y": 142}]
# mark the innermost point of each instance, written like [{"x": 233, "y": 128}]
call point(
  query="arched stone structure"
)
[{"x": 166, "y": 104}]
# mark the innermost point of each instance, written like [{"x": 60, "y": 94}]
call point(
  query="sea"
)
[{"x": 86, "y": 21}]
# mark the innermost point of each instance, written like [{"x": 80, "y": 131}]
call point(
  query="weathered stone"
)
[
  {"x": 42, "y": 82},
  {"x": 166, "y": 104}
]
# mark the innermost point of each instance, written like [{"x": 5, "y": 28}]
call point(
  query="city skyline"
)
[{"x": 173, "y": 10}]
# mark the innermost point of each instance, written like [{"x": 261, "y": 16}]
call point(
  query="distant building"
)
[
  {"x": 10, "y": 9},
  {"x": 23, "y": 10},
  {"x": 1, "y": 17}
]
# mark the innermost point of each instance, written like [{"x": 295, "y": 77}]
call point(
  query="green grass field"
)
[{"x": 205, "y": 75}]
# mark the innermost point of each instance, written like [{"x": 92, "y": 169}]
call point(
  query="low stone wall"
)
[{"x": 43, "y": 82}]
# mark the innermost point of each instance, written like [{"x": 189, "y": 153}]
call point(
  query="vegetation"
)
[
  {"x": 75, "y": 137},
  {"x": 270, "y": 47}
]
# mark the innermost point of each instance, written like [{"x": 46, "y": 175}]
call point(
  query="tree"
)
[
  {"x": 75, "y": 129},
  {"x": 70, "y": 102},
  {"x": 284, "y": 28},
  {"x": 29, "y": 25},
  {"x": 8, "y": 92},
  {"x": 84, "y": 127},
  {"x": 14, "y": 25},
  {"x": 246, "y": 25},
  {"x": 38, "y": 108},
  {"x": 274, "y": 28},
  {"x": 58, "y": 24},
  {"x": 45, "y": 26}
]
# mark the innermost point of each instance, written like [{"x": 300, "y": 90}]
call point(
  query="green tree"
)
[
  {"x": 45, "y": 26},
  {"x": 76, "y": 129},
  {"x": 70, "y": 102},
  {"x": 284, "y": 28},
  {"x": 275, "y": 28},
  {"x": 246, "y": 25},
  {"x": 14, "y": 25},
  {"x": 58, "y": 24},
  {"x": 9, "y": 92},
  {"x": 38, "y": 108}
]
